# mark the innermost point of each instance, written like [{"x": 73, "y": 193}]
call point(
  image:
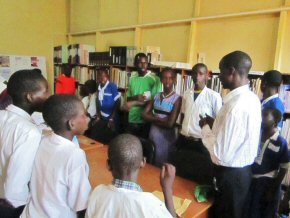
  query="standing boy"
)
[
  {"x": 19, "y": 139},
  {"x": 65, "y": 83},
  {"x": 124, "y": 197},
  {"x": 270, "y": 85},
  {"x": 143, "y": 86},
  {"x": 269, "y": 168},
  {"x": 192, "y": 158},
  {"x": 234, "y": 138},
  {"x": 59, "y": 185}
]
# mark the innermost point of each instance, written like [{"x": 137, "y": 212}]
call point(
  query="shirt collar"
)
[
  {"x": 235, "y": 92},
  {"x": 202, "y": 91},
  {"x": 57, "y": 139},
  {"x": 274, "y": 137},
  {"x": 269, "y": 98},
  {"x": 148, "y": 73},
  {"x": 104, "y": 87},
  {"x": 127, "y": 185},
  {"x": 20, "y": 112}
]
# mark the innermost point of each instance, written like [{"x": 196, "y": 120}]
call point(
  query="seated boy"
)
[
  {"x": 19, "y": 139},
  {"x": 269, "y": 168},
  {"x": 124, "y": 197},
  {"x": 59, "y": 185}
]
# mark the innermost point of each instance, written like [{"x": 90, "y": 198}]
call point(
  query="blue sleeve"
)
[
  {"x": 114, "y": 90},
  {"x": 284, "y": 154}
]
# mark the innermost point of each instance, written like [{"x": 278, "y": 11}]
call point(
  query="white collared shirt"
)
[
  {"x": 89, "y": 103},
  {"x": 234, "y": 138},
  {"x": 107, "y": 201},
  {"x": 19, "y": 141},
  {"x": 208, "y": 102},
  {"x": 59, "y": 184}
]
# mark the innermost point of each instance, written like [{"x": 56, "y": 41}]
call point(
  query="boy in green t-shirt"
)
[{"x": 143, "y": 86}]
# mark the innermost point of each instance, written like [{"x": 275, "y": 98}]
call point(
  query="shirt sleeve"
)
[
  {"x": 115, "y": 94},
  {"x": 59, "y": 86},
  {"x": 217, "y": 105},
  {"x": 78, "y": 182},
  {"x": 284, "y": 159},
  {"x": 20, "y": 166},
  {"x": 156, "y": 87}
]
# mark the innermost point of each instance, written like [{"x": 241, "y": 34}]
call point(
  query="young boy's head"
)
[
  {"x": 199, "y": 75},
  {"x": 65, "y": 113},
  {"x": 270, "y": 118},
  {"x": 125, "y": 156},
  {"x": 66, "y": 70},
  {"x": 104, "y": 76},
  {"x": 28, "y": 89},
  {"x": 91, "y": 86},
  {"x": 271, "y": 79}
]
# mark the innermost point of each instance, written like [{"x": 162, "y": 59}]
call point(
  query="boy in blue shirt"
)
[
  {"x": 269, "y": 167},
  {"x": 270, "y": 84}
]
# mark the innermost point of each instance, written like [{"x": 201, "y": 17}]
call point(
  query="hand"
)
[
  {"x": 97, "y": 119},
  {"x": 209, "y": 120},
  {"x": 202, "y": 121},
  {"x": 167, "y": 176},
  {"x": 111, "y": 124},
  {"x": 141, "y": 98}
]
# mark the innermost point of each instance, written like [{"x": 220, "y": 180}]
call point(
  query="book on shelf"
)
[
  {"x": 284, "y": 94},
  {"x": 119, "y": 77},
  {"x": 79, "y": 53},
  {"x": 122, "y": 55},
  {"x": 60, "y": 54},
  {"x": 99, "y": 58},
  {"x": 82, "y": 74}
]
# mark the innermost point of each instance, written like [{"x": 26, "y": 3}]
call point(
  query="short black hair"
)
[
  {"x": 138, "y": 57},
  {"x": 272, "y": 78},
  {"x": 197, "y": 66},
  {"x": 91, "y": 86},
  {"x": 275, "y": 112},
  {"x": 66, "y": 69},
  {"x": 58, "y": 109},
  {"x": 125, "y": 154},
  {"x": 168, "y": 69},
  {"x": 23, "y": 82},
  {"x": 241, "y": 61}
]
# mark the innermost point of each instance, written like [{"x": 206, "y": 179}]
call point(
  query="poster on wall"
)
[{"x": 12, "y": 63}]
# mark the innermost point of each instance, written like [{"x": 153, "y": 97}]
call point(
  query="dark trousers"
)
[
  {"x": 259, "y": 207},
  {"x": 7, "y": 211},
  {"x": 192, "y": 160},
  {"x": 233, "y": 185},
  {"x": 140, "y": 130}
]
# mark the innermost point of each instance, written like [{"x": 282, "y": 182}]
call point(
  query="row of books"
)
[
  {"x": 99, "y": 59},
  {"x": 119, "y": 77},
  {"x": 82, "y": 74},
  {"x": 122, "y": 55},
  {"x": 72, "y": 54}
]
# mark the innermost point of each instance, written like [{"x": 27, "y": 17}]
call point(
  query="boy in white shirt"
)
[
  {"x": 59, "y": 185},
  {"x": 19, "y": 139},
  {"x": 124, "y": 197}
]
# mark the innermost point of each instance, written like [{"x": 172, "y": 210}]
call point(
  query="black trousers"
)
[
  {"x": 192, "y": 160},
  {"x": 10, "y": 212},
  {"x": 233, "y": 185}
]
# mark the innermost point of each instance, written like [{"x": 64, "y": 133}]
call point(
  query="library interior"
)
[{"x": 202, "y": 86}]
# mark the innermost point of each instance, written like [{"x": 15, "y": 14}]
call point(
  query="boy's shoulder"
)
[{"x": 143, "y": 202}]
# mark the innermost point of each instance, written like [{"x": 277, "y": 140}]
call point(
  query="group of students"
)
[
  {"x": 234, "y": 142},
  {"x": 46, "y": 175}
]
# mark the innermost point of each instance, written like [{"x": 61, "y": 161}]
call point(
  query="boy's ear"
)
[
  {"x": 109, "y": 167},
  {"x": 70, "y": 125},
  {"x": 143, "y": 162},
  {"x": 29, "y": 97}
]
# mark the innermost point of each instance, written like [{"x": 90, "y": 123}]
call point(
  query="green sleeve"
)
[{"x": 157, "y": 86}]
